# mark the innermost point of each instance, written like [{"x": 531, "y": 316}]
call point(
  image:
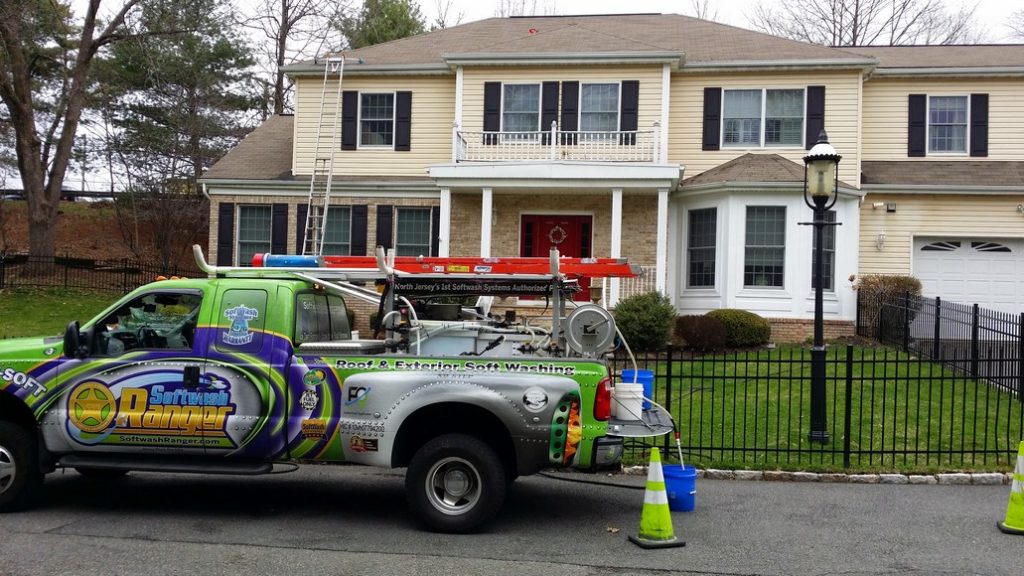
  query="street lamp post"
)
[{"x": 820, "y": 193}]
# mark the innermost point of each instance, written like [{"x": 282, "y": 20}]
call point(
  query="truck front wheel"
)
[
  {"x": 20, "y": 476},
  {"x": 455, "y": 483}
]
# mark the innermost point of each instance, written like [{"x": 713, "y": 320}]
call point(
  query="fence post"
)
[
  {"x": 974, "y": 341},
  {"x": 857, "y": 321},
  {"x": 668, "y": 393},
  {"x": 847, "y": 410},
  {"x": 3, "y": 270},
  {"x": 906, "y": 321},
  {"x": 124, "y": 275},
  {"x": 65, "y": 274},
  {"x": 1020, "y": 351},
  {"x": 938, "y": 331}
]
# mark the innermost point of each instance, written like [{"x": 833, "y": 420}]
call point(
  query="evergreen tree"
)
[{"x": 382, "y": 21}]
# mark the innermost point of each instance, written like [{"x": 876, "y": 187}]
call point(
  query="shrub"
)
[
  {"x": 701, "y": 333},
  {"x": 645, "y": 320},
  {"x": 742, "y": 329},
  {"x": 875, "y": 290}
]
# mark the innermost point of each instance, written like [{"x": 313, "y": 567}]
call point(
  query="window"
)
[
  {"x": 599, "y": 109},
  {"x": 829, "y": 247},
  {"x": 337, "y": 231},
  {"x": 157, "y": 320},
  {"x": 701, "y": 248},
  {"x": 254, "y": 227},
  {"x": 376, "y": 119},
  {"x": 765, "y": 252},
  {"x": 320, "y": 318},
  {"x": 412, "y": 231},
  {"x": 763, "y": 118},
  {"x": 521, "y": 108},
  {"x": 947, "y": 124}
]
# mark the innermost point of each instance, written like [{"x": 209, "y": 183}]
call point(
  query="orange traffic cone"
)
[
  {"x": 1014, "y": 522},
  {"x": 656, "y": 519}
]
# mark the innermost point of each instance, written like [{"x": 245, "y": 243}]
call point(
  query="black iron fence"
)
[
  {"x": 69, "y": 272},
  {"x": 969, "y": 340},
  {"x": 887, "y": 409}
]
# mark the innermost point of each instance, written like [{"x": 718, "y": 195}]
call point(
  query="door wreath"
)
[{"x": 557, "y": 235}]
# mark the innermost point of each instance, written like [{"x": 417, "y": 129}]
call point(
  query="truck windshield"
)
[{"x": 320, "y": 318}]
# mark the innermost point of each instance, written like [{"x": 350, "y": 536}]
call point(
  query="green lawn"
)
[
  {"x": 753, "y": 409},
  {"x": 47, "y": 311}
]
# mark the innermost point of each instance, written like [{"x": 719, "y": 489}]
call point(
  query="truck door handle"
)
[{"x": 191, "y": 378}]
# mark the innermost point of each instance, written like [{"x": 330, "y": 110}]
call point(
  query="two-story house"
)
[{"x": 670, "y": 140}]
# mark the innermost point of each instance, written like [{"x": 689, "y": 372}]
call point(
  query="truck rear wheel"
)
[
  {"x": 20, "y": 477},
  {"x": 455, "y": 483}
]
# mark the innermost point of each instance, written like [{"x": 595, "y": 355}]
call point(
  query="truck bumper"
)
[{"x": 607, "y": 451}]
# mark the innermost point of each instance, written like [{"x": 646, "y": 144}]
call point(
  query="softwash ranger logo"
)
[{"x": 156, "y": 416}]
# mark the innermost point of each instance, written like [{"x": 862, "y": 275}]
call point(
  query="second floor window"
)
[
  {"x": 254, "y": 226},
  {"x": 947, "y": 124},
  {"x": 762, "y": 118},
  {"x": 520, "y": 108},
  {"x": 376, "y": 120},
  {"x": 412, "y": 231},
  {"x": 599, "y": 108}
]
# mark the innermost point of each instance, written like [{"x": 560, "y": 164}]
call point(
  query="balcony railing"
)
[{"x": 555, "y": 144}]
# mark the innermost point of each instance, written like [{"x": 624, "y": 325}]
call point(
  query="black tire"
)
[
  {"x": 101, "y": 473},
  {"x": 21, "y": 480},
  {"x": 455, "y": 483}
]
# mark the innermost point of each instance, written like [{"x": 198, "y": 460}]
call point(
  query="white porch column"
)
[
  {"x": 616, "y": 248},
  {"x": 486, "y": 208},
  {"x": 444, "y": 235},
  {"x": 661, "y": 248}
]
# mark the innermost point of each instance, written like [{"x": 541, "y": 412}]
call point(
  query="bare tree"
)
[
  {"x": 702, "y": 9},
  {"x": 867, "y": 22},
  {"x": 1016, "y": 24},
  {"x": 39, "y": 41},
  {"x": 445, "y": 17},
  {"x": 295, "y": 30},
  {"x": 506, "y": 8}
]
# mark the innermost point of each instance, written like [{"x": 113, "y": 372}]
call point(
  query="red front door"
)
[{"x": 572, "y": 235}]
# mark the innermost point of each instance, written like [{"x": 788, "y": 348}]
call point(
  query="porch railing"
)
[{"x": 555, "y": 144}]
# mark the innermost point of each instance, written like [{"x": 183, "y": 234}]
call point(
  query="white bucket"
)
[{"x": 628, "y": 401}]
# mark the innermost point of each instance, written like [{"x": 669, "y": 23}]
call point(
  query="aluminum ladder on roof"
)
[{"x": 323, "y": 160}]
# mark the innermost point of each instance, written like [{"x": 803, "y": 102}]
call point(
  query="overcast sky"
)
[{"x": 991, "y": 14}]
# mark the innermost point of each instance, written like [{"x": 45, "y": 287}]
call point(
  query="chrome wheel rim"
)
[
  {"x": 453, "y": 486},
  {"x": 7, "y": 469}
]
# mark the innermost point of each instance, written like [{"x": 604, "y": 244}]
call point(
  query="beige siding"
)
[
  {"x": 885, "y": 115},
  {"x": 930, "y": 215},
  {"x": 433, "y": 109},
  {"x": 474, "y": 78},
  {"x": 686, "y": 117}
]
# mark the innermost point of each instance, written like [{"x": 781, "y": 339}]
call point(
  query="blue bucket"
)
[
  {"x": 645, "y": 378},
  {"x": 681, "y": 485}
]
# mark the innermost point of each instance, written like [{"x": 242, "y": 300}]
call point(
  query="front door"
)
[{"x": 572, "y": 235}]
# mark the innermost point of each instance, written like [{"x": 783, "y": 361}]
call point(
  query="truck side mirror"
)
[{"x": 73, "y": 341}]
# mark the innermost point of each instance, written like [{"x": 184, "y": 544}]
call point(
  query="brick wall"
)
[{"x": 799, "y": 330}]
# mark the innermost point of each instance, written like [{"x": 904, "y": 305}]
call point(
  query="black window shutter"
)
[
  {"x": 548, "y": 109},
  {"x": 917, "y": 125},
  {"x": 815, "y": 114},
  {"x": 225, "y": 234},
  {"x": 629, "y": 108},
  {"x": 492, "y": 111},
  {"x": 403, "y": 121},
  {"x": 358, "y": 242},
  {"x": 712, "y": 119},
  {"x": 385, "y": 219},
  {"x": 349, "y": 119},
  {"x": 435, "y": 230},
  {"x": 570, "y": 111},
  {"x": 279, "y": 229},
  {"x": 301, "y": 210},
  {"x": 979, "y": 124}
]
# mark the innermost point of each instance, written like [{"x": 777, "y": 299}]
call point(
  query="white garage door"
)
[{"x": 989, "y": 272}]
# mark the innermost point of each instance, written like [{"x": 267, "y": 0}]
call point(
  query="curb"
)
[{"x": 948, "y": 479}]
